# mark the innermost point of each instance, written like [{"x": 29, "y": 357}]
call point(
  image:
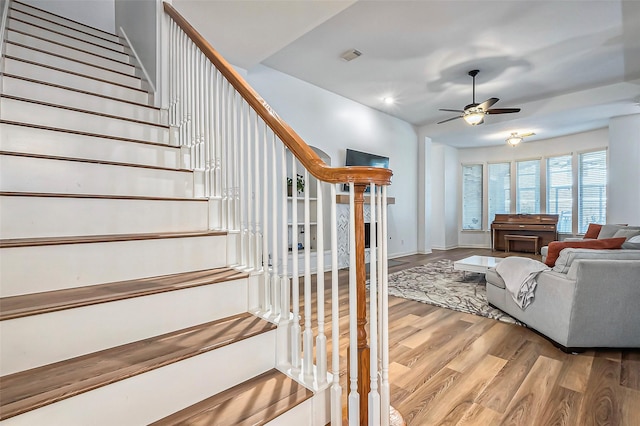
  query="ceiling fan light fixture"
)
[
  {"x": 514, "y": 139},
  {"x": 474, "y": 117}
]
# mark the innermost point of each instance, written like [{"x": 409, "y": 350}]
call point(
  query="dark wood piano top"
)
[{"x": 526, "y": 218}]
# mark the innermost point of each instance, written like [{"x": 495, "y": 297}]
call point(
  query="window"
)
[
  {"x": 499, "y": 190},
  {"x": 472, "y": 197},
  {"x": 559, "y": 191},
  {"x": 528, "y": 186},
  {"x": 592, "y": 189}
]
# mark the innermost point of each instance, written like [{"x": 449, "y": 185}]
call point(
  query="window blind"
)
[
  {"x": 559, "y": 191},
  {"x": 472, "y": 197},
  {"x": 499, "y": 188},
  {"x": 592, "y": 189},
  {"x": 528, "y": 186}
]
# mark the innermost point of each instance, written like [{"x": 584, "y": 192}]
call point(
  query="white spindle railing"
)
[{"x": 245, "y": 163}]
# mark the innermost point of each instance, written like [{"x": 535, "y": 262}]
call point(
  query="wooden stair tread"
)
[
  {"x": 87, "y": 239},
  {"x": 51, "y": 301},
  {"x": 254, "y": 402},
  {"x": 35, "y": 388}
]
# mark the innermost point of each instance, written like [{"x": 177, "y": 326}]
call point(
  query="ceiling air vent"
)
[{"x": 350, "y": 55}]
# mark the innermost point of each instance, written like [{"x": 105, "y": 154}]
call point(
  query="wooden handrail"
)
[{"x": 307, "y": 157}]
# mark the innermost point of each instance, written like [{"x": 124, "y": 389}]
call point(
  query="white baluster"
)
[
  {"x": 295, "y": 330},
  {"x": 336, "y": 389},
  {"x": 284, "y": 293},
  {"x": 265, "y": 216},
  {"x": 385, "y": 399},
  {"x": 275, "y": 279},
  {"x": 241, "y": 192},
  {"x": 250, "y": 197},
  {"x": 354, "y": 398},
  {"x": 321, "y": 339},
  {"x": 307, "y": 335},
  {"x": 374, "y": 396}
]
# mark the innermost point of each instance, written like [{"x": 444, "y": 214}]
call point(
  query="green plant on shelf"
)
[{"x": 299, "y": 184}]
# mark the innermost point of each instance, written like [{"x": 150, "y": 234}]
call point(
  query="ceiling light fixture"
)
[
  {"x": 388, "y": 101},
  {"x": 474, "y": 117},
  {"x": 515, "y": 138}
]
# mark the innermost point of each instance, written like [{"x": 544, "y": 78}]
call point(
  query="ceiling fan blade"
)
[
  {"x": 502, "y": 110},
  {"x": 449, "y": 119},
  {"x": 487, "y": 104},
  {"x": 451, "y": 110}
]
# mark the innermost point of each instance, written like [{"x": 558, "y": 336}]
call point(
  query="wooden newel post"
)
[{"x": 364, "y": 379}]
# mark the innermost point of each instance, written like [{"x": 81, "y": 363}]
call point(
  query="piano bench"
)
[{"x": 530, "y": 238}]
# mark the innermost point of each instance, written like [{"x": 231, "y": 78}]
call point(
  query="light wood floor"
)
[{"x": 452, "y": 368}]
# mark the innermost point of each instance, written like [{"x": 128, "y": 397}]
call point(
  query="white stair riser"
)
[
  {"x": 65, "y": 22},
  {"x": 128, "y": 78},
  {"x": 45, "y": 268},
  {"x": 44, "y": 115},
  {"x": 75, "y": 332},
  {"x": 113, "y": 44},
  {"x": 156, "y": 394},
  {"x": 14, "y": 138},
  {"x": 60, "y": 96},
  {"x": 31, "y": 217},
  {"x": 73, "y": 81},
  {"x": 300, "y": 415},
  {"x": 47, "y": 46},
  {"x": 24, "y": 174},
  {"x": 56, "y": 37}
]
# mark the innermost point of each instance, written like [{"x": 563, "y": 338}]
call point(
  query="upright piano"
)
[{"x": 544, "y": 226}]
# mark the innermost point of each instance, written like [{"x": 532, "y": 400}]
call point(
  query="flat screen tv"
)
[{"x": 358, "y": 158}]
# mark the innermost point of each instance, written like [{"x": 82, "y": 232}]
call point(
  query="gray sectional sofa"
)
[{"x": 590, "y": 299}]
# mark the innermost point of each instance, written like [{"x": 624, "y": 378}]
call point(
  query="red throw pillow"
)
[
  {"x": 556, "y": 246},
  {"x": 593, "y": 230}
]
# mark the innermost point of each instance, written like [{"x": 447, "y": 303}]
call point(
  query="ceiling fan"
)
[{"x": 474, "y": 113}]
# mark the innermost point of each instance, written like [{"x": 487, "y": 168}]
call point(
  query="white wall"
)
[
  {"x": 623, "y": 197},
  {"x": 334, "y": 123},
  {"x": 445, "y": 167},
  {"x": 140, "y": 22},
  {"x": 96, "y": 13},
  {"x": 579, "y": 142}
]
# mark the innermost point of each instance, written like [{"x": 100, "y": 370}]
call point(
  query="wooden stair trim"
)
[
  {"x": 26, "y": 61},
  {"x": 65, "y": 18},
  {"x": 69, "y": 36},
  {"x": 84, "y": 92},
  {"x": 91, "y": 161},
  {"x": 94, "y": 135},
  {"x": 31, "y": 389},
  {"x": 99, "y": 196},
  {"x": 84, "y": 111},
  {"x": 92, "y": 239},
  {"x": 269, "y": 395},
  {"x": 86, "y": 52},
  {"x": 52, "y": 301},
  {"x": 11, "y": 8}
]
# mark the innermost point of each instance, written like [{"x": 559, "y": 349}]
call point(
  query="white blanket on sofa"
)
[{"x": 519, "y": 275}]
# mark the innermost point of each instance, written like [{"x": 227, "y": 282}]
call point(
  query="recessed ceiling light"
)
[{"x": 388, "y": 101}]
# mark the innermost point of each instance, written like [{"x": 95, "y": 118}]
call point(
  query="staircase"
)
[{"x": 118, "y": 303}]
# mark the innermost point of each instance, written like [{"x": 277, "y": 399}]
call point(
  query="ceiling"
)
[{"x": 569, "y": 64}]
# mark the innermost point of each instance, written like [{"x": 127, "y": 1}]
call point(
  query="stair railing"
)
[{"x": 242, "y": 154}]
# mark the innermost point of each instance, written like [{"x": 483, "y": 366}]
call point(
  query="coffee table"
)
[{"x": 478, "y": 264}]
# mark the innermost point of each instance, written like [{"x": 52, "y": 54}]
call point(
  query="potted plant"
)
[{"x": 299, "y": 185}]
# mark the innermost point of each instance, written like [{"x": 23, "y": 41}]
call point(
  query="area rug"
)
[{"x": 437, "y": 283}]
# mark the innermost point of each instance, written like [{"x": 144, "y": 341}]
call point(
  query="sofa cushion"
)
[
  {"x": 626, "y": 233},
  {"x": 593, "y": 230},
  {"x": 568, "y": 255},
  {"x": 608, "y": 231},
  {"x": 556, "y": 247}
]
